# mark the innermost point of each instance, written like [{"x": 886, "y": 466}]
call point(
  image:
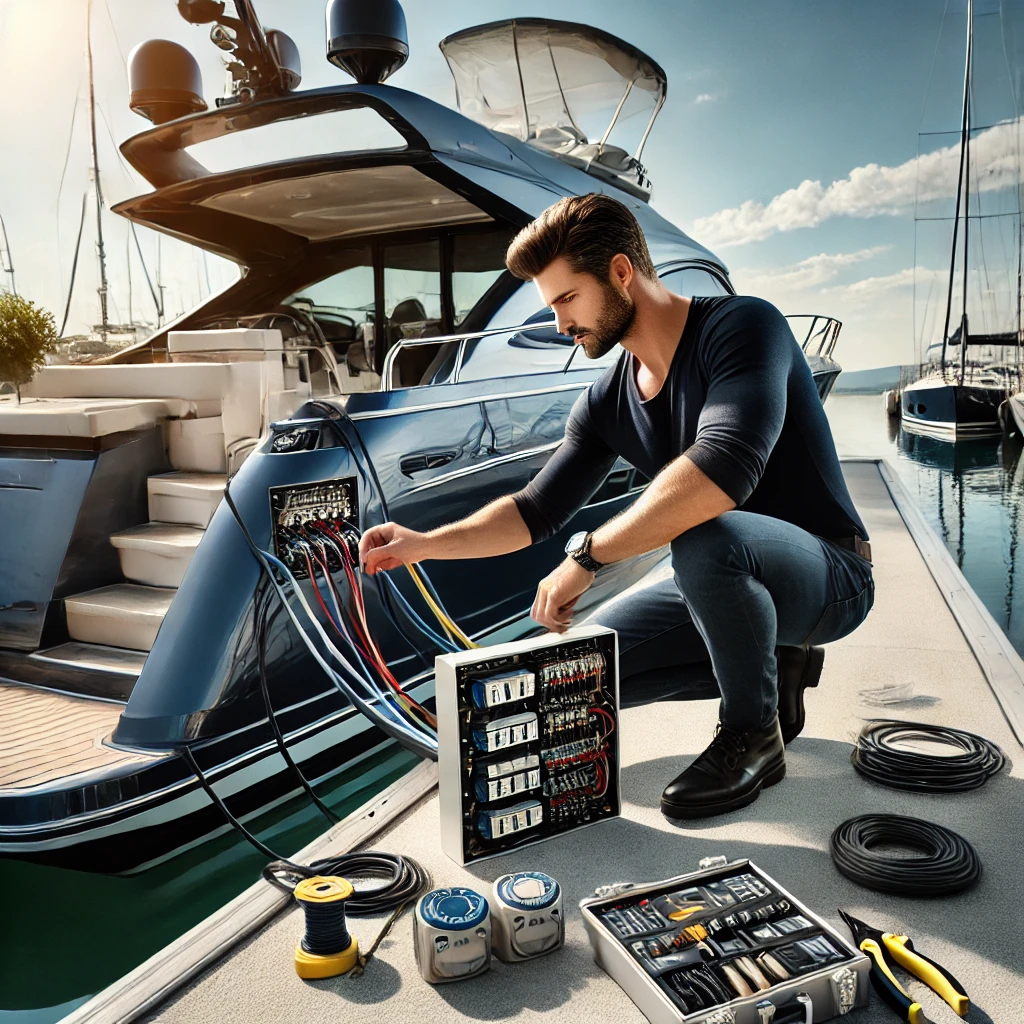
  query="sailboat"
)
[{"x": 959, "y": 395}]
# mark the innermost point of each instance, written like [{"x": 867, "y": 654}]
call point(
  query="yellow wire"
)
[{"x": 447, "y": 623}]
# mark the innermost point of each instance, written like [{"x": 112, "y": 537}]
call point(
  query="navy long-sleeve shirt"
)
[{"x": 739, "y": 400}]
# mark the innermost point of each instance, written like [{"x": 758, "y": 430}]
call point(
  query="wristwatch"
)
[{"x": 578, "y": 549}]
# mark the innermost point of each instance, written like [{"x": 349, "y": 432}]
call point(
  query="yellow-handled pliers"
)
[{"x": 886, "y": 949}]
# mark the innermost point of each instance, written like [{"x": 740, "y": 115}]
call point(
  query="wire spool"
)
[
  {"x": 948, "y": 863},
  {"x": 326, "y": 949},
  {"x": 878, "y": 756}
]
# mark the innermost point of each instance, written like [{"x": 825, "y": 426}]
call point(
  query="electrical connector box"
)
[
  {"x": 527, "y": 740},
  {"x": 306, "y": 509}
]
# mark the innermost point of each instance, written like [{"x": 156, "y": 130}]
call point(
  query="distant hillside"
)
[{"x": 868, "y": 382}]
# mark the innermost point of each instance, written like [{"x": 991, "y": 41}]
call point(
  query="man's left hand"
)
[{"x": 557, "y": 595}]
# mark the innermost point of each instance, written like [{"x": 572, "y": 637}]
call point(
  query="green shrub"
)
[{"x": 27, "y": 333}]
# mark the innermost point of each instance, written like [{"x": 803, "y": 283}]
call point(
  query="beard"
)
[{"x": 611, "y": 325}]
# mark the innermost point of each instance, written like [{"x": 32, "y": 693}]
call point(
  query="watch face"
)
[{"x": 576, "y": 542}]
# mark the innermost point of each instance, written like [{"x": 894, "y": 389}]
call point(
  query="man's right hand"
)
[{"x": 389, "y": 545}]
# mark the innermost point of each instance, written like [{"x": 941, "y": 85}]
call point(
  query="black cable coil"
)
[
  {"x": 404, "y": 878},
  {"x": 326, "y": 930},
  {"x": 877, "y": 757},
  {"x": 948, "y": 863}
]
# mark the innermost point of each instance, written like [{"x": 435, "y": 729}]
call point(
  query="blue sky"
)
[{"x": 789, "y": 142}]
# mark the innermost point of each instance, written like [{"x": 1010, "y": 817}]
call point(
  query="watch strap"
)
[{"x": 583, "y": 556}]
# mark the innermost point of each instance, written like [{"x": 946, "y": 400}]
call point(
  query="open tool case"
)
[
  {"x": 527, "y": 741},
  {"x": 683, "y": 949}
]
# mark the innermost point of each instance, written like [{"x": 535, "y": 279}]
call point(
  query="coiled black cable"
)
[
  {"x": 404, "y": 878},
  {"x": 877, "y": 757},
  {"x": 948, "y": 863},
  {"x": 323, "y": 904}
]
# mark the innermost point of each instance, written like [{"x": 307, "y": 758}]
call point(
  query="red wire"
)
[
  {"x": 372, "y": 654},
  {"x": 611, "y": 721},
  {"x": 358, "y": 640}
]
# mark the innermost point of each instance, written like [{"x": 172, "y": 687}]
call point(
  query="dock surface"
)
[{"x": 911, "y": 639}]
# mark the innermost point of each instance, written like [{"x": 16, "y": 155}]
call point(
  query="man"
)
[{"x": 713, "y": 400}]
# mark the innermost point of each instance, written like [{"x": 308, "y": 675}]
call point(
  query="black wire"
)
[
  {"x": 877, "y": 757},
  {"x": 404, "y": 878},
  {"x": 948, "y": 863},
  {"x": 186, "y": 753},
  {"x": 260, "y": 609}
]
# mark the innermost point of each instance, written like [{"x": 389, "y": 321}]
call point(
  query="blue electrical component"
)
[
  {"x": 505, "y": 732},
  {"x": 502, "y": 689},
  {"x": 454, "y": 909},
  {"x": 519, "y": 776},
  {"x": 495, "y": 823}
]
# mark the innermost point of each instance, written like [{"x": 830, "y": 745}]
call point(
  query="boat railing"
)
[
  {"x": 463, "y": 340},
  {"x": 816, "y": 332}
]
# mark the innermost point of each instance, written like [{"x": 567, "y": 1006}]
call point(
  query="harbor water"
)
[{"x": 67, "y": 934}]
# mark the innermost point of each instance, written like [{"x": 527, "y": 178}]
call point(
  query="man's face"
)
[{"x": 596, "y": 314}]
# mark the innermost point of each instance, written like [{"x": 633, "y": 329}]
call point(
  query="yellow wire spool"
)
[{"x": 326, "y": 948}]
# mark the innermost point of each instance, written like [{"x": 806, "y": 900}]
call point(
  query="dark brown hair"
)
[{"x": 588, "y": 230}]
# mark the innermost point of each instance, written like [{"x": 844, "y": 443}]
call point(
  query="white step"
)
[
  {"x": 156, "y": 554},
  {"x": 94, "y": 658},
  {"x": 186, "y": 498},
  {"x": 196, "y": 446},
  {"x": 122, "y": 615}
]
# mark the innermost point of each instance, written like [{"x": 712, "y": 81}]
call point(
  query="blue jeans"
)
[{"x": 743, "y": 584}]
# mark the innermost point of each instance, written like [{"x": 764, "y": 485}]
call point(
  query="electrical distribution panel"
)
[
  {"x": 294, "y": 507},
  {"x": 528, "y": 742}
]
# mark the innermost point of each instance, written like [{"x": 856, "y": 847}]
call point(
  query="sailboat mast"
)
[
  {"x": 964, "y": 121},
  {"x": 105, "y": 326},
  {"x": 967, "y": 201}
]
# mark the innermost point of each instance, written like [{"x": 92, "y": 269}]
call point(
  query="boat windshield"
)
[{"x": 555, "y": 84}]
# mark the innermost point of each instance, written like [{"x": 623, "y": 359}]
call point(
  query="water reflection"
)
[{"x": 971, "y": 493}]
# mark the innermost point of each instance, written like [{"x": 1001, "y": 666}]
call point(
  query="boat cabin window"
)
[
  {"x": 478, "y": 260},
  {"x": 461, "y": 269},
  {"x": 342, "y": 310},
  {"x": 412, "y": 305},
  {"x": 517, "y": 353}
]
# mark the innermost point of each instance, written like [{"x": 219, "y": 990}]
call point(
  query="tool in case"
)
[
  {"x": 527, "y": 740},
  {"x": 723, "y": 945}
]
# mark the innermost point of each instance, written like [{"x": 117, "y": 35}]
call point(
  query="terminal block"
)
[{"x": 305, "y": 509}]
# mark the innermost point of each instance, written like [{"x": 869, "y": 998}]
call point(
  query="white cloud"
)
[
  {"x": 814, "y": 270},
  {"x": 706, "y": 97},
  {"x": 877, "y": 311},
  {"x": 870, "y": 191}
]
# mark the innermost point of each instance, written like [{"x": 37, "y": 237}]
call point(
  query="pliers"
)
[{"x": 887, "y": 949}]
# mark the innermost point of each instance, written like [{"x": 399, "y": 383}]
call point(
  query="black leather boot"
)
[
  {"x": 798, "y": 668},
  {"x": 729, "y": 774}
]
